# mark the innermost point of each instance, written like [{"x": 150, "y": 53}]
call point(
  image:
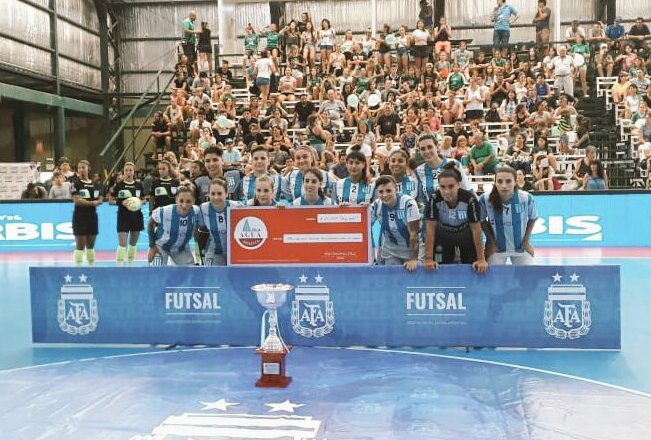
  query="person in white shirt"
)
[
  {"x": 572, "y": 32},
  {"x": 264, "y": 68},
  {"x": 197, "y": 125},
  {"x": 564, "y": 71},
  {"x": 61, "y": 189}
]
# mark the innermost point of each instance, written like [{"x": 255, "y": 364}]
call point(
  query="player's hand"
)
[
  {"x": 480, "y": 266},
  {"x": 411, "y": 265},
  {"x": 430, "y": 264},
  {"x": 152, "y": 253},
  {"x": 526, "y": 246}
]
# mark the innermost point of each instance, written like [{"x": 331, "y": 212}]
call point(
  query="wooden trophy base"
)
[{"x": 273, "y": 370}]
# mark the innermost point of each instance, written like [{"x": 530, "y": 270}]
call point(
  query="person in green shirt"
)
[
  {"x": 251, "y": 41},
  {"x": 482, "y": 155},
  {"x": 188, "y": 35},
  {"x": 456, "y": 80},
  {"x": 273, "y": 39},
  {"x": 582, "y": 48}
]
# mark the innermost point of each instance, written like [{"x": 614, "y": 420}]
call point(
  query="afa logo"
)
[
  {"x": 567, "y": 310},
  {"x": 250, "y": 233},
  {"x": 313, "y": 313},
  {"x": 77, "y": 311}
]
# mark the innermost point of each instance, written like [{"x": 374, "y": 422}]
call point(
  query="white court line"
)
[{"x": 443, "y": 356}]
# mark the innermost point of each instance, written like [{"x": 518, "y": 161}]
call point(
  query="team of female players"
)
[{"x": 452, "y": 224}]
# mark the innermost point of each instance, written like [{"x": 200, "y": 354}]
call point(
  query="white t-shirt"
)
[
  {"x": 420, "y": 37},
  {"x": 563, "y": 66},
  {"x": 265, "y": 67},
  {"x": 475, "y": 98}
]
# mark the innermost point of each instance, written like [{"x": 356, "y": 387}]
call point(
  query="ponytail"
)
[{"x": 450, "y": 170}]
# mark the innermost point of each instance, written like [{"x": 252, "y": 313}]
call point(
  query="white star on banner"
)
[
  {"x": 557, "y": 277},
  {"x": 68, "y": 278},
  {"x": 318, "y": 278},
  {"x": 82, "y": 278},
  {"x": 284, "y": 406},
  {"x": 220, "y": 404},
  {"x": 303, "y": 278},
  {"x": 574, "y": 277}
]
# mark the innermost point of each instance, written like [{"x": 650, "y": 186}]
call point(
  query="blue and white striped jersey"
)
[
  {"x": 248, "y": 186},
  {"x": 216, "y": 223},
  {"x": 408, "y": 186},
  {"x": 173, "y": 231},
  {"x": 510, "y": 224},
  {"x": 394, "y": 221},
  {"x": 319, "y": 202},
  {"x": 293, "y": 184},
  {"x": 353, "y": 193},
  {"x": 428, "y": 178}
]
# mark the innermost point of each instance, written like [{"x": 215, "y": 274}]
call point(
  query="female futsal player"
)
[
  {"x": 398, "y": 165},
  {"x": 213, "y": 227},
  {"x": 264, "y": 192},
  {"x": 164, "y": 188},
  {"x": 356, "y": 189},
  {"x": 399, "y": 219},
  {"x": 509, "y": 216},
  {"x": 453, "y": 220},
  {"x": 427, "y": 173},
  {"x": 260, "y": 163},
  {"x": 312, "y": 191},
  {"x": 130, "y": 223},
  {"x": 87, "y": 197},
  {"x": 305, "y": 157},
  {"x": 170, "y": 229}
]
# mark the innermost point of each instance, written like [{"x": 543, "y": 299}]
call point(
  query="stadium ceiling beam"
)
[
  {"x": 17, "y": 93},
  {"x": 189, "y": 4}
]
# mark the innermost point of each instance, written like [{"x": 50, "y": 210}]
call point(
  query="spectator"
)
[
  {"x": 596, "y": 179},
  {"x": 638, "y": 33},
  {"x": 34, "y": 191},
  {"x": 457, "y": 131},
  {"x": 482, "y": 155},
  {"x": 582, "y": 48},
  {"x": 573, "y": 32},
  {"x": 264, "y": 69},
  {"x": 388, "y": 123},
  {"x": 231, "y": 156},
  {"x": 161, "y": 131},
  {"x": 251, "y": 41},
  {"x": 604, "y": 61},
  {"x": 620, "y": 88},
  {"x": 204, "y": 48},
  {"x": 541, "y": 21},
  {"x": 544, "y": 175},
  {"x": 426, "y": 13},
  {"x": 61, "y": 189},
  {"x": 615, "y": 31},
  {"x": 522, "y": 182},
  {"x": 442, "y": 36},
  {"x": 598, "y": 34},
  {"x": 207, "y": 139},
  {"x": 64, "y": 167},
  {"x": 564, "y": 72},
  {"x": 189, "y": 37},
  {"x": 501, "y": 16},
  {"x": 333, "y": 107},
  {"x": 198, "y": 125},
  {"x": 225, "y": 71}
]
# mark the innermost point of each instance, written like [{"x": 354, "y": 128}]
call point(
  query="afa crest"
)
[
  {"x": 313, "y": 314},
  {"x": 77, "y": 311},
  {"x": 567, "y": 310}
]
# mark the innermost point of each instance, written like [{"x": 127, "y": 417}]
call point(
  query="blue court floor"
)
[{"x": 374, "y": 394}]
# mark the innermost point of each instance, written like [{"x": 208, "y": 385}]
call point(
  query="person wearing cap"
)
[
  {"x": 573, "y": 32},
  {"x": 231, "y": 156},
  {"x": 615, "y": 31},
  {"x": 604, "y": 61},
  {"x": 638, "y": 33}
]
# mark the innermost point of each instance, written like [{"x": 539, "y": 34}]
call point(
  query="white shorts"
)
[
  {"x": 517, "y": 258},
  {"x": 184, "y": 257}
]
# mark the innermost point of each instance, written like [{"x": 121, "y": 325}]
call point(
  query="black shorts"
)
[
  {"x": 130, "y": 221},
  {"x": 474, "y": 114},
  {"x": 450, "y": 241},
  {"x": 84, "y": 221},
  {"x": 205, "y": 48},
  {"x": 420, "y": 51},
  {"x": 189, "y": 50},
  {"x": 349, "y": 56}
]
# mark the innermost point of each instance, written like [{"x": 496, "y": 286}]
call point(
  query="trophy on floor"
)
[{"x": 272, "y": 347}]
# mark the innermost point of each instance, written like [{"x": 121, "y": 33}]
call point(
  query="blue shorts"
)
[{"x": 260, "y": 81}]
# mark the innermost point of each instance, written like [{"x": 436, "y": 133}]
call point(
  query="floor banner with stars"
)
[{"x": 532, "y": 306}]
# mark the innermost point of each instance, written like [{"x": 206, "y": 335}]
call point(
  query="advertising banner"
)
[
  {"x": 510, "y": 306},
  {"x": 299, "y": 235},
  {"x": 566, "y": 220}
]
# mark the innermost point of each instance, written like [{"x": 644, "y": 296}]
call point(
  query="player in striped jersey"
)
[
  {"x": 398, "y": 163},
  {"x": 453, "y": 220},
  {"x": 213, "y": 227},
  {"x": 260, "y": 163},
  {"x": 357, "y": 188},
  {"x": 170, "y": 229},
  {"x": 427, "y": 173},
  {"x": 400, "y": 220},
  {"x": 313, "y": 193},
  {"x": 305, "y": 157},
  {"x": 264, "y": 192},
  {"x": 509, "y": 217}
]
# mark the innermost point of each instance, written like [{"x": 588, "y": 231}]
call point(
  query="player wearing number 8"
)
[
  {"x": 213, "y": 226},
  {"x": 509, "y": 216}
]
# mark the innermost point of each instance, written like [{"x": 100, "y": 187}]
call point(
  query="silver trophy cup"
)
[{"x": 271, "y": 297}]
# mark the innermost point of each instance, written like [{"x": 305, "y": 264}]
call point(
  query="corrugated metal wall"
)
[{"x": 33, "y": 25}]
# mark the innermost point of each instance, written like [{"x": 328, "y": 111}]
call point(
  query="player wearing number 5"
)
[
  {"x": 170, "y": 229},
  {"x": 400, "y": 222},
  {"x": 128, "y": 195},
  {"x": 509, "y": 216},
  {"x": 453, "y": 221}
]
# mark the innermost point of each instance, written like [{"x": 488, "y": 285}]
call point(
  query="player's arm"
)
[{"x": 151, "y": 232}]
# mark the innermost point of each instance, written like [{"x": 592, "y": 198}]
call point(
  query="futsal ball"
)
[{"x": 133, "y": 204}]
